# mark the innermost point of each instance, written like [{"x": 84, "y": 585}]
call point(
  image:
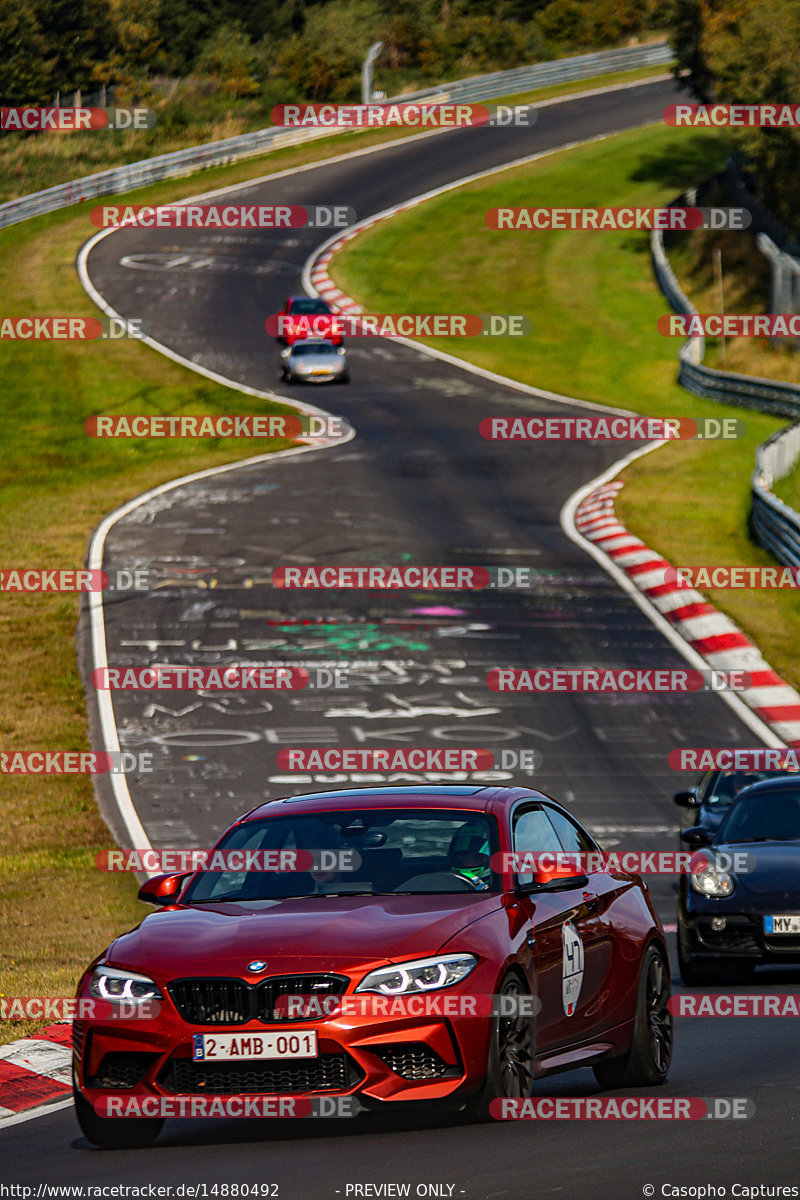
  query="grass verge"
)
[{"x": 593, "y": 302}]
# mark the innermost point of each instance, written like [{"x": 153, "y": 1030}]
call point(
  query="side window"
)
[
  {"x": 534, "y": 833},
  {"x": 572, "y": 839}
]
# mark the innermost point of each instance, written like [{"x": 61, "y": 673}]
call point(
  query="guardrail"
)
[
  {"x": 774, "y": 525},
  {"x": 217, "y": 154}
]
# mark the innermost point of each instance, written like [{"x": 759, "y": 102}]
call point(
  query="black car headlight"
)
[
  {"x": 111, "y": 983},
  {"x": 422, "y": 975},
  {"x": 712, "y": 882}
]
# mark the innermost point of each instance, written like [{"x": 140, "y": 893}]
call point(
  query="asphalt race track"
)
[{"x": 417, "y": 485}]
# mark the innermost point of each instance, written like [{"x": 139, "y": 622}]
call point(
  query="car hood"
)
[
  {"x": 325, "y": 933},
  {"x": 776, "y": 869},
  {"x": 315, "y": 360}
]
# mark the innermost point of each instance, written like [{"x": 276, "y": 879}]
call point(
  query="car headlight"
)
[
  {"x": 109, "y": 983},
  {"x": 711, "y": 881},
  {"x": 424, "y": 975}
]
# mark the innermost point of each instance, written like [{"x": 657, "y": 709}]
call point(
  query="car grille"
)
[
  {"x": 122, "y": 1069},
  {"x": 788, "y": 943},
  {"x": 234, "y": 1002},
  {"x": 328, "y": 1073},
  {"x": 415, "y": 1060}
]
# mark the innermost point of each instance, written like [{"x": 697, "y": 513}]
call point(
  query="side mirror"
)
[
  {"x": 553, "y": 878},
  {"x": 697, "y": 835},
  {"x": 686, "y": 799},
  {"x": 162, "y": 889}
]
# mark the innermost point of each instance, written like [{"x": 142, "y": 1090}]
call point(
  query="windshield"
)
[
  {"x": 764, "y": 817},
  {"x": 308, "y": 307},
  {"x": 728, "y": 784},
  {"x": 398, "y": 852},
  {"x": 314, "y": 348}
]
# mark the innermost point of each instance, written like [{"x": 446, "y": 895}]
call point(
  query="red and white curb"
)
[
  {"x": 35, "y": 1070},
  {"x": 709, "y": 632},
  {"x": 318, "y": 272}
]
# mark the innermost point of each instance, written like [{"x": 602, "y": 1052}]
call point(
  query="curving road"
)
[{"x": 417, "y": 484}]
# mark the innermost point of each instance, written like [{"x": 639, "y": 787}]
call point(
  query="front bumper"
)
[
  {"x": 309, "y": 376},
  {"x": 377, "y": 1058},
  {"x": 742, "y": 938}
]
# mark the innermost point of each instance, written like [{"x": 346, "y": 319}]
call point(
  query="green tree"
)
[
  {"x": 79, "y": 40},
  {"x": 25, "y": 71},
  {"x": 745, "y": 51}
]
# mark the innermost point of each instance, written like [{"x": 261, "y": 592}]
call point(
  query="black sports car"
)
[
  {"x": 730, "y": 921},
  {"x": 709, "y": 800}
]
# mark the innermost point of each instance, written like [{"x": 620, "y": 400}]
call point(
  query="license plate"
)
[
  {"x": 216, "y": 1047},
  {"x": 783, "y": 924}
]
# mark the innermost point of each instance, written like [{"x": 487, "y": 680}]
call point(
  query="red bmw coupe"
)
[{"x": 421, "y": 974}]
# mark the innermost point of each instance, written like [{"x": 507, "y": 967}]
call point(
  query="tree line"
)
[{"x": 312, "y": 48}]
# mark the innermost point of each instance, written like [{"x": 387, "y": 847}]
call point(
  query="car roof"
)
[
  {"x": 790, "y": 781},
  {"x": 453, "y": 796}
]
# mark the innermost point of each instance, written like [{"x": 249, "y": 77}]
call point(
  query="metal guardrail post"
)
[{"x": 366, "y": 72}]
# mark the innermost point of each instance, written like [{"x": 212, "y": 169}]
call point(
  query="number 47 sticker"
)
[{"x": 572, "y": 967}]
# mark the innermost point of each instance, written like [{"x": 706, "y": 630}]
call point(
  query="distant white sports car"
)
[{"x": 314, "y": 362}]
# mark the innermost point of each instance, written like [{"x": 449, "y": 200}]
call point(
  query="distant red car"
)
[
  {"x": 258, "y": 973},
  {"x": 304, "y": 316}
]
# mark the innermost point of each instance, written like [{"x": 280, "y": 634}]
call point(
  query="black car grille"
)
[
  {"x": 415, "y": 1060},
  {"x": 234, "y": 1002},
  {"x": 787, "y": 942},
  {"x": 122, "y": 1069},
  {"x": 328, "y": 1073}
]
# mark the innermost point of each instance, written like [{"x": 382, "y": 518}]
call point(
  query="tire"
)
[
  {"x": 115, "y": 1133},
  {"x": 510, "y": 1065},
  {"x": 648, "y": 1060}
]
